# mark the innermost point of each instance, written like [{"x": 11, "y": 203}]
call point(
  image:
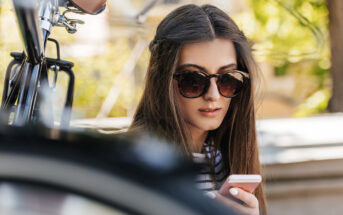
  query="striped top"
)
[{"x": 205, "y": 181}]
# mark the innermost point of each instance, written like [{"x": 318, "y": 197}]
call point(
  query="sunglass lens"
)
[
  {"x": 192, "y": 84},
  {"x": 230, "y": 84}
]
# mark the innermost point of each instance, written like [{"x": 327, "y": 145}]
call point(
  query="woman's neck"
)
[{"x": 197, "y": 140}]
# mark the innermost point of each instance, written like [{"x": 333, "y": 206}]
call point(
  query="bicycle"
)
[
  {"x": 104, "y": 174},
  {"x": 27, "y": 75}
]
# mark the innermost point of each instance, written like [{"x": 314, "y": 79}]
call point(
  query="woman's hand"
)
[{"x": 239, "y": 200}]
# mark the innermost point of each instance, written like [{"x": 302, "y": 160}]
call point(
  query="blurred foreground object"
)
[{"x": 49, "y": 171}]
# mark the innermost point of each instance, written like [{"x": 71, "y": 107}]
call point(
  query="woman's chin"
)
[{"x": 210, "y": 127}]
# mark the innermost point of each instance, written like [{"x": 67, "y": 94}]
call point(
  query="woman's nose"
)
[{"x": 212, "y": 92}]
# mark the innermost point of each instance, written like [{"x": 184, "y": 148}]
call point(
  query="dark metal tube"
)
[
  {"x": 69, "y": 100},
  {"x": 18, "y": 118},
  {"x": 45, "y": 37},
  {"x": 29, "y": 29},
  {"x": 27, "y": 94}
]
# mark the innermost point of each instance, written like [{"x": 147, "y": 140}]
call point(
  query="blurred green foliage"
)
[
  {"x": 292, "y": 35},
  {"x": 290, "y": 30},
  {"x": 314, "y": 104}
]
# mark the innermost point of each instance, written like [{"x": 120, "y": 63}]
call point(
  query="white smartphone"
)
[{"x": 245, "y": 182}]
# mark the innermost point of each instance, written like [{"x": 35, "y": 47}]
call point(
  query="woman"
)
[{"x": 199, "y": 94}]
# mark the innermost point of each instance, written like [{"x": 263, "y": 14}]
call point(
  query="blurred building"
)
[{"x": 302, "y": 160}]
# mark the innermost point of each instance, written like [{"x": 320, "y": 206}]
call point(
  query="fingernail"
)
[
  {"x": 211, "y": 195},
  {"x": 233, "y": 191}
]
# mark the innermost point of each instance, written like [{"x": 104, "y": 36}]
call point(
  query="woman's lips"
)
[{"x": 209, "y": 112}]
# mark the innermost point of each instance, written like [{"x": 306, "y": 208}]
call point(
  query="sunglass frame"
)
[{"x": 177, "y": 76}]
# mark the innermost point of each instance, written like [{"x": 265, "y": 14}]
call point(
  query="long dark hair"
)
[{"x": 158, "y": 110}]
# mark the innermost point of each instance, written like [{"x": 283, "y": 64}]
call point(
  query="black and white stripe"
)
[{"x": 205, "y": 181}]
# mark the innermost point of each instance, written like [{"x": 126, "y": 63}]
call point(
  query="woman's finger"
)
[
  {"x": 232, "y": 204},
  {"x": 249, "y": 199}
]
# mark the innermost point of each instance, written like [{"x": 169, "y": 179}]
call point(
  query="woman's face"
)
[{"x": 217, "y": 56}]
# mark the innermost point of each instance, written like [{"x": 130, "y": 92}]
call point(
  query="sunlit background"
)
[
  {"x": 110, "y": 54},
  {"x": 299, "y": 132}
]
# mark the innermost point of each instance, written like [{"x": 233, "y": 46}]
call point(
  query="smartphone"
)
[{"x": 245, "y": 182}]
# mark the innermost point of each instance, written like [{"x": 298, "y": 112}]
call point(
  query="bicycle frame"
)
[
  {"x": 34, "y": 43},
  {"x": 33, "y": 73},
  {"x": 30, "y": 31}
]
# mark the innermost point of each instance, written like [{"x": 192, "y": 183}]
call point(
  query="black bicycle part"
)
[
  {"x": 58, "y": 57},
  {"x": 34, "y": 41},
  {"x": 57, "y": 47},
  {"x": 10, "y": 78},
  {"x": 12, "y": 86},
  {"x": 29, "y": 29},
  {"x": 58, "y": 65},
  {"x": 113, "y": 170},
  {"x": 66, "y": 67},
  {"x": 27, "y": 94},
  {"x": 34, "y": 72}
]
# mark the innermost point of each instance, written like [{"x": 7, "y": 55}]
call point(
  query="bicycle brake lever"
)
[
  {"x": 71, "y": 28},
  {"x": 76, "y": 21},
  {"x": 70, "y": 24}
]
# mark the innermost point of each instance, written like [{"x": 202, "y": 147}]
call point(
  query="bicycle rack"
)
[
  {"x": 65, "y": 66},
  {"x": 56, "y": 64}
]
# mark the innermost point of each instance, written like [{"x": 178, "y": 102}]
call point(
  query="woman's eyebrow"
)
[
  {"x": 229, "y": 66},
  {"x": 190, "y": 65}
]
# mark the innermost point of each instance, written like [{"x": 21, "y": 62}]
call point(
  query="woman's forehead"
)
[{"x": 209, "y": 54}]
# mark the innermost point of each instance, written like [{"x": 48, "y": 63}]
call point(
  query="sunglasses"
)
[{"x": 193, "y": 84}]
